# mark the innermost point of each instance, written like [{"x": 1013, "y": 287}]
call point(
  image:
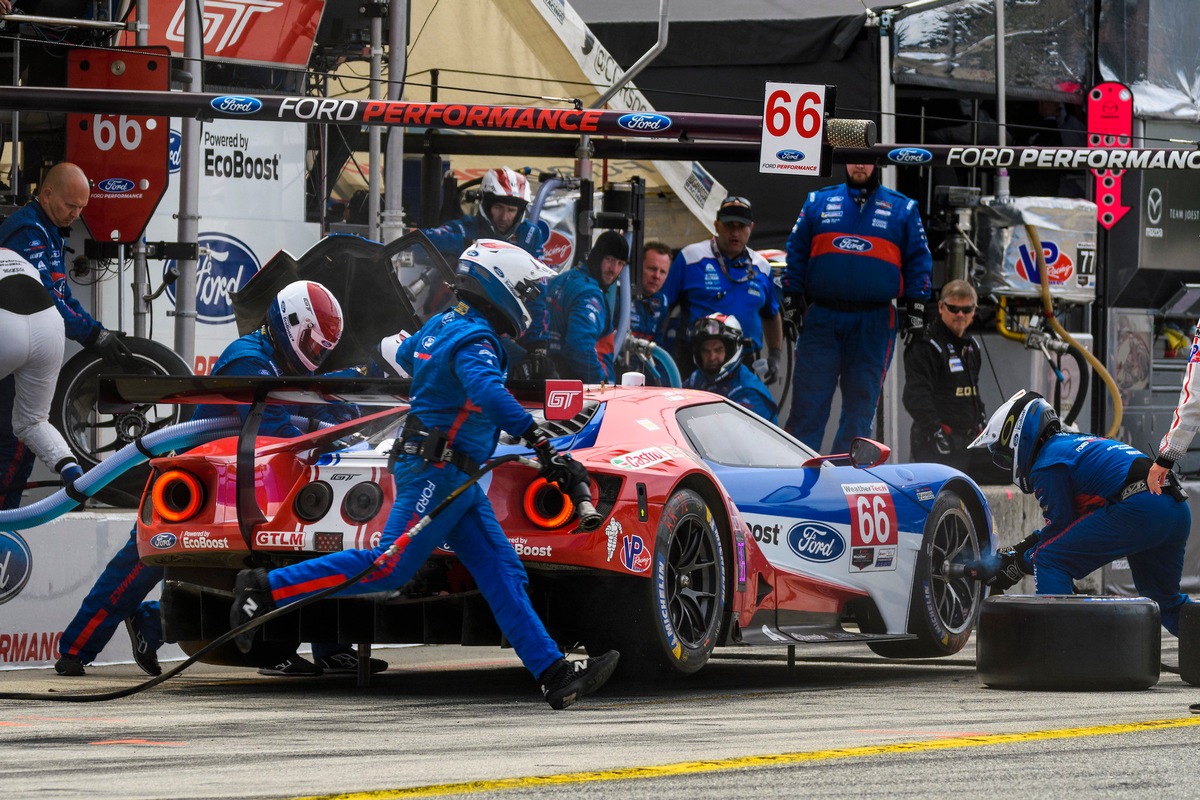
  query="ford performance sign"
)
[
  {"x": 910, "y": 155},
  {"x": 236, "y": 104},
  {"x": 644, "y": 122},
  {"x": 816, "y": 541}
]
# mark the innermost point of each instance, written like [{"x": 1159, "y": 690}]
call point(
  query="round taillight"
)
[
  {"x": 546, "y": 506},
  {"x": 177, "y": 495},
  {"x": 313, "y": 501},
  {"x": 363, "y": 502}
]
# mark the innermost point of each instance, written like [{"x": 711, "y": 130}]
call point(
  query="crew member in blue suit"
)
[
  {"x": 304, "y": 324},
  {"x": 854, "y": 249},
  {"x": 38, "y": 231},
  {"x": 459, "y": 405},
  {"x": 722, "y": 275},
  {"x": 1096, "y": 504},
  {"x": 717, "y": 350},
  {"x": 580, "y": 302},
  {"x": 648, "y": 313},
  {"x": 504, "y": 198}
]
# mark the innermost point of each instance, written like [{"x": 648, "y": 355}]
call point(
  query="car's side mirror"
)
[{"x": 868, "y": 453}]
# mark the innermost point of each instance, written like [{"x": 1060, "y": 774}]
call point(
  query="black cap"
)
[
  {"x": 735, "y": 209},
  {"x": 609, "y": 243}
]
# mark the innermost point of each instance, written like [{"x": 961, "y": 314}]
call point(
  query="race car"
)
[{"x": 716, "y": 529}]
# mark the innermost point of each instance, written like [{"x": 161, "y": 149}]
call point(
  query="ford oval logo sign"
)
[
  {"x": 790, "y": 155},
  {"x": 115, "y": 185},
  {"x": 852, "y": 244},
  {"x": 174, "y": 150},
  {"x": 236, "y": 104},
  {"x": 816, "y": 541},
  {"x": 163, "y": 541},
  {"x": 226, "y": 264},
  {"x": 16, "y": 564},
  {"x": 644, "y": 122},
  {"x": 910, "y": 155}
]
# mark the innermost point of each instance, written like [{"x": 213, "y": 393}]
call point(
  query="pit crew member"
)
[
  {"x": 717, "y": 350},
  {"x": 580, "y": 303}
]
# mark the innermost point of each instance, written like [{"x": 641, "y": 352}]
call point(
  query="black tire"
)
[
  {"x": 668, "y": 625},
  {"x": 1189, "y": 643},
  {"x": 1068, "y": 643},
  {"x": 942, "y": 610},
  {"x": 93, "y": 437}
]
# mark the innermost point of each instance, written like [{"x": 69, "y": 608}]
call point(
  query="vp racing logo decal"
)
[
  {"x": 816, "y": 541},
  {"x": 16, "y": 565},
  {"x": 226, "y": 264}
]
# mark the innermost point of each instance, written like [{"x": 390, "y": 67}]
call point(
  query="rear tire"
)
[
  {"x": 942, "y": 611},
  {"x": 1189, "y": 643},
  {"x": 92, "y": 436}
]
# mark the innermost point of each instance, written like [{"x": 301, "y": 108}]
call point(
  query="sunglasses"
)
[
  {"x": 735, "y": 201},
  {"x": 953, "y": 309}
]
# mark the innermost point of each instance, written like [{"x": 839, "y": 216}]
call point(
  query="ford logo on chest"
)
[
  {"x": 816, "y": 541},
  {"x": 852, "y": 244}
]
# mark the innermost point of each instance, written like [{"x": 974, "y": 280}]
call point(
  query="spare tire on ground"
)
[
  {"x": 1189, "y": 643},
  {"x": 1068, "y": 643}
]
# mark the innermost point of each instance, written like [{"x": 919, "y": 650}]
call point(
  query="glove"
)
[
  {"x": 774, "y": 366},
  {"x": 941, "y": 441},
  {"x": 556, "y": 467},
  {"x": 69, "y": 471},
  {"x": 536, "y": 366},
  {"x": 794, "y": 309},
  {"x": 111, "y": 346},
  {"x": 1014, "y": 564},
  {"x": 912, "y": 318}
]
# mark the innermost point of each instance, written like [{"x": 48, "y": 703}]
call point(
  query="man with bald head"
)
[{"x": 38, "y": 232}]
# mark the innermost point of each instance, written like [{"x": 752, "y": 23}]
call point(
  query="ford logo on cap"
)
[
  {"x": 644, "y": 122},
  {"x": 816, "y": 541},
  {"x": 790, "y": 155},
  {"x": 16, "y": 564},
  {"x": 236, "y": 104},
  {"x": 852, "y": 244},
  {"x": 910, "y": 155},
  {"x": 115, "y": 185},
  {"x": 163, "y": 541}
]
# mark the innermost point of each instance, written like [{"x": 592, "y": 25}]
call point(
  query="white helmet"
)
[
  {"x": 506, "y": 186},
  {"x": 500, "y": 280},
  {"x": 728, "y": 330},
  {"x": 305, "y": 324}
]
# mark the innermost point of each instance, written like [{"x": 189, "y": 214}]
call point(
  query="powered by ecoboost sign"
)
[{"x": 228, "y": 155}]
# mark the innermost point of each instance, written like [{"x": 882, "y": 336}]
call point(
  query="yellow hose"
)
[
  {"x": 1001, "y": 327},
  {"x": 1048, "y": 310}
]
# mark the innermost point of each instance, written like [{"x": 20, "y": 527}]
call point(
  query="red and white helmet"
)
[
  {"x": 305, "y": 324},
  {"x": 506, "y": 186}
]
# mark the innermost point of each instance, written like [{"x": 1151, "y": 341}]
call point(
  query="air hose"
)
[{"x": 1048, "y": 311}]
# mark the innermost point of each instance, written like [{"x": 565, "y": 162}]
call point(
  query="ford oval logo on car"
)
[
  {"x": 115, "y": 185},
  {"x": 236, "y": 104},
  {"x": 852, "y": 243},
  {"x": 16, "y": 564},
  {"x": 644, "y": 122},
  {"x": 910, "y": 155},
  {"x": 790, "y": 155},
  {"x": 816, "y": 541},
  {"x": 163, "y": 541}
]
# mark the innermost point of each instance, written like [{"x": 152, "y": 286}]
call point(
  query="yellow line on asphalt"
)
[{"x": 750, "y": 762}]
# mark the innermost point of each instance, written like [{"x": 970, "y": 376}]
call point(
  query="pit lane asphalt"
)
[{"x": 843, "y": 723}]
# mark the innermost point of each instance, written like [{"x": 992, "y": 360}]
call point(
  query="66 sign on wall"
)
[
  {"x": 793, "y": 128},
  {"x": 124, "y": 155}
]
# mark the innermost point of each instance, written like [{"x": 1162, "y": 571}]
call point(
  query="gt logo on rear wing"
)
[{"x": 564, "y": 399}]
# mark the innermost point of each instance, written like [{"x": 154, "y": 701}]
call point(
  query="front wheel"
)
[
  {"x": 669, "y": 624},
  {"x": 93, "y": 436},
  {"x": 942, "y": 611}
]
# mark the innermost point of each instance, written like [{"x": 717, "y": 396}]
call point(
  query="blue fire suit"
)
[
  {"x": 741, "y": 386},
  {"x": 705, "y": 282},
  {"x": 1079, "y": 479},
  {"x": 851, "y": 253},
  {"x": 126, "y": 581},
  {"x": 458, "y": 369},
  {"x": 31, "y": 233},
  {"x": 648, "y": 317},
  {"x": 581, "y": 327}
]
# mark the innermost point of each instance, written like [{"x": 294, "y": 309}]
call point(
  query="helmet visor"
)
[{"x": 313, "y": 347}]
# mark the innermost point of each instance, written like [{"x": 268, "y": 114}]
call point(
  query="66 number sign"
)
[
  {"x": 793, "y": 128},
  {"x": 872, "y": 514}
]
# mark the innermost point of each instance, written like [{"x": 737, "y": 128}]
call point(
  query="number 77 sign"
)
[{"x": 793, "y": 128}]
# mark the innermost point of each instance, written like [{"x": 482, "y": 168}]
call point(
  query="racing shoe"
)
[
  {"x": 346, "y": 663},
  {"x": 70, "y": 666},
  {"x": 251, "y": 599},
  {"x": 565, "y": 681},
  {"x": 145, "y": 654},
  {"x": 293, "y": 666}
]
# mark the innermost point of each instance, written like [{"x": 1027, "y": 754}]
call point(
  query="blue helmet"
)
[
  {"x": 1016, "y": 432},
  {"x": 500, "y": 280}
]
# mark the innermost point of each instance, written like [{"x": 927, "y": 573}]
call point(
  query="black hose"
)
[
  {"x": 1081, "y": 392},
  {"x": 61, "y": 697}
]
